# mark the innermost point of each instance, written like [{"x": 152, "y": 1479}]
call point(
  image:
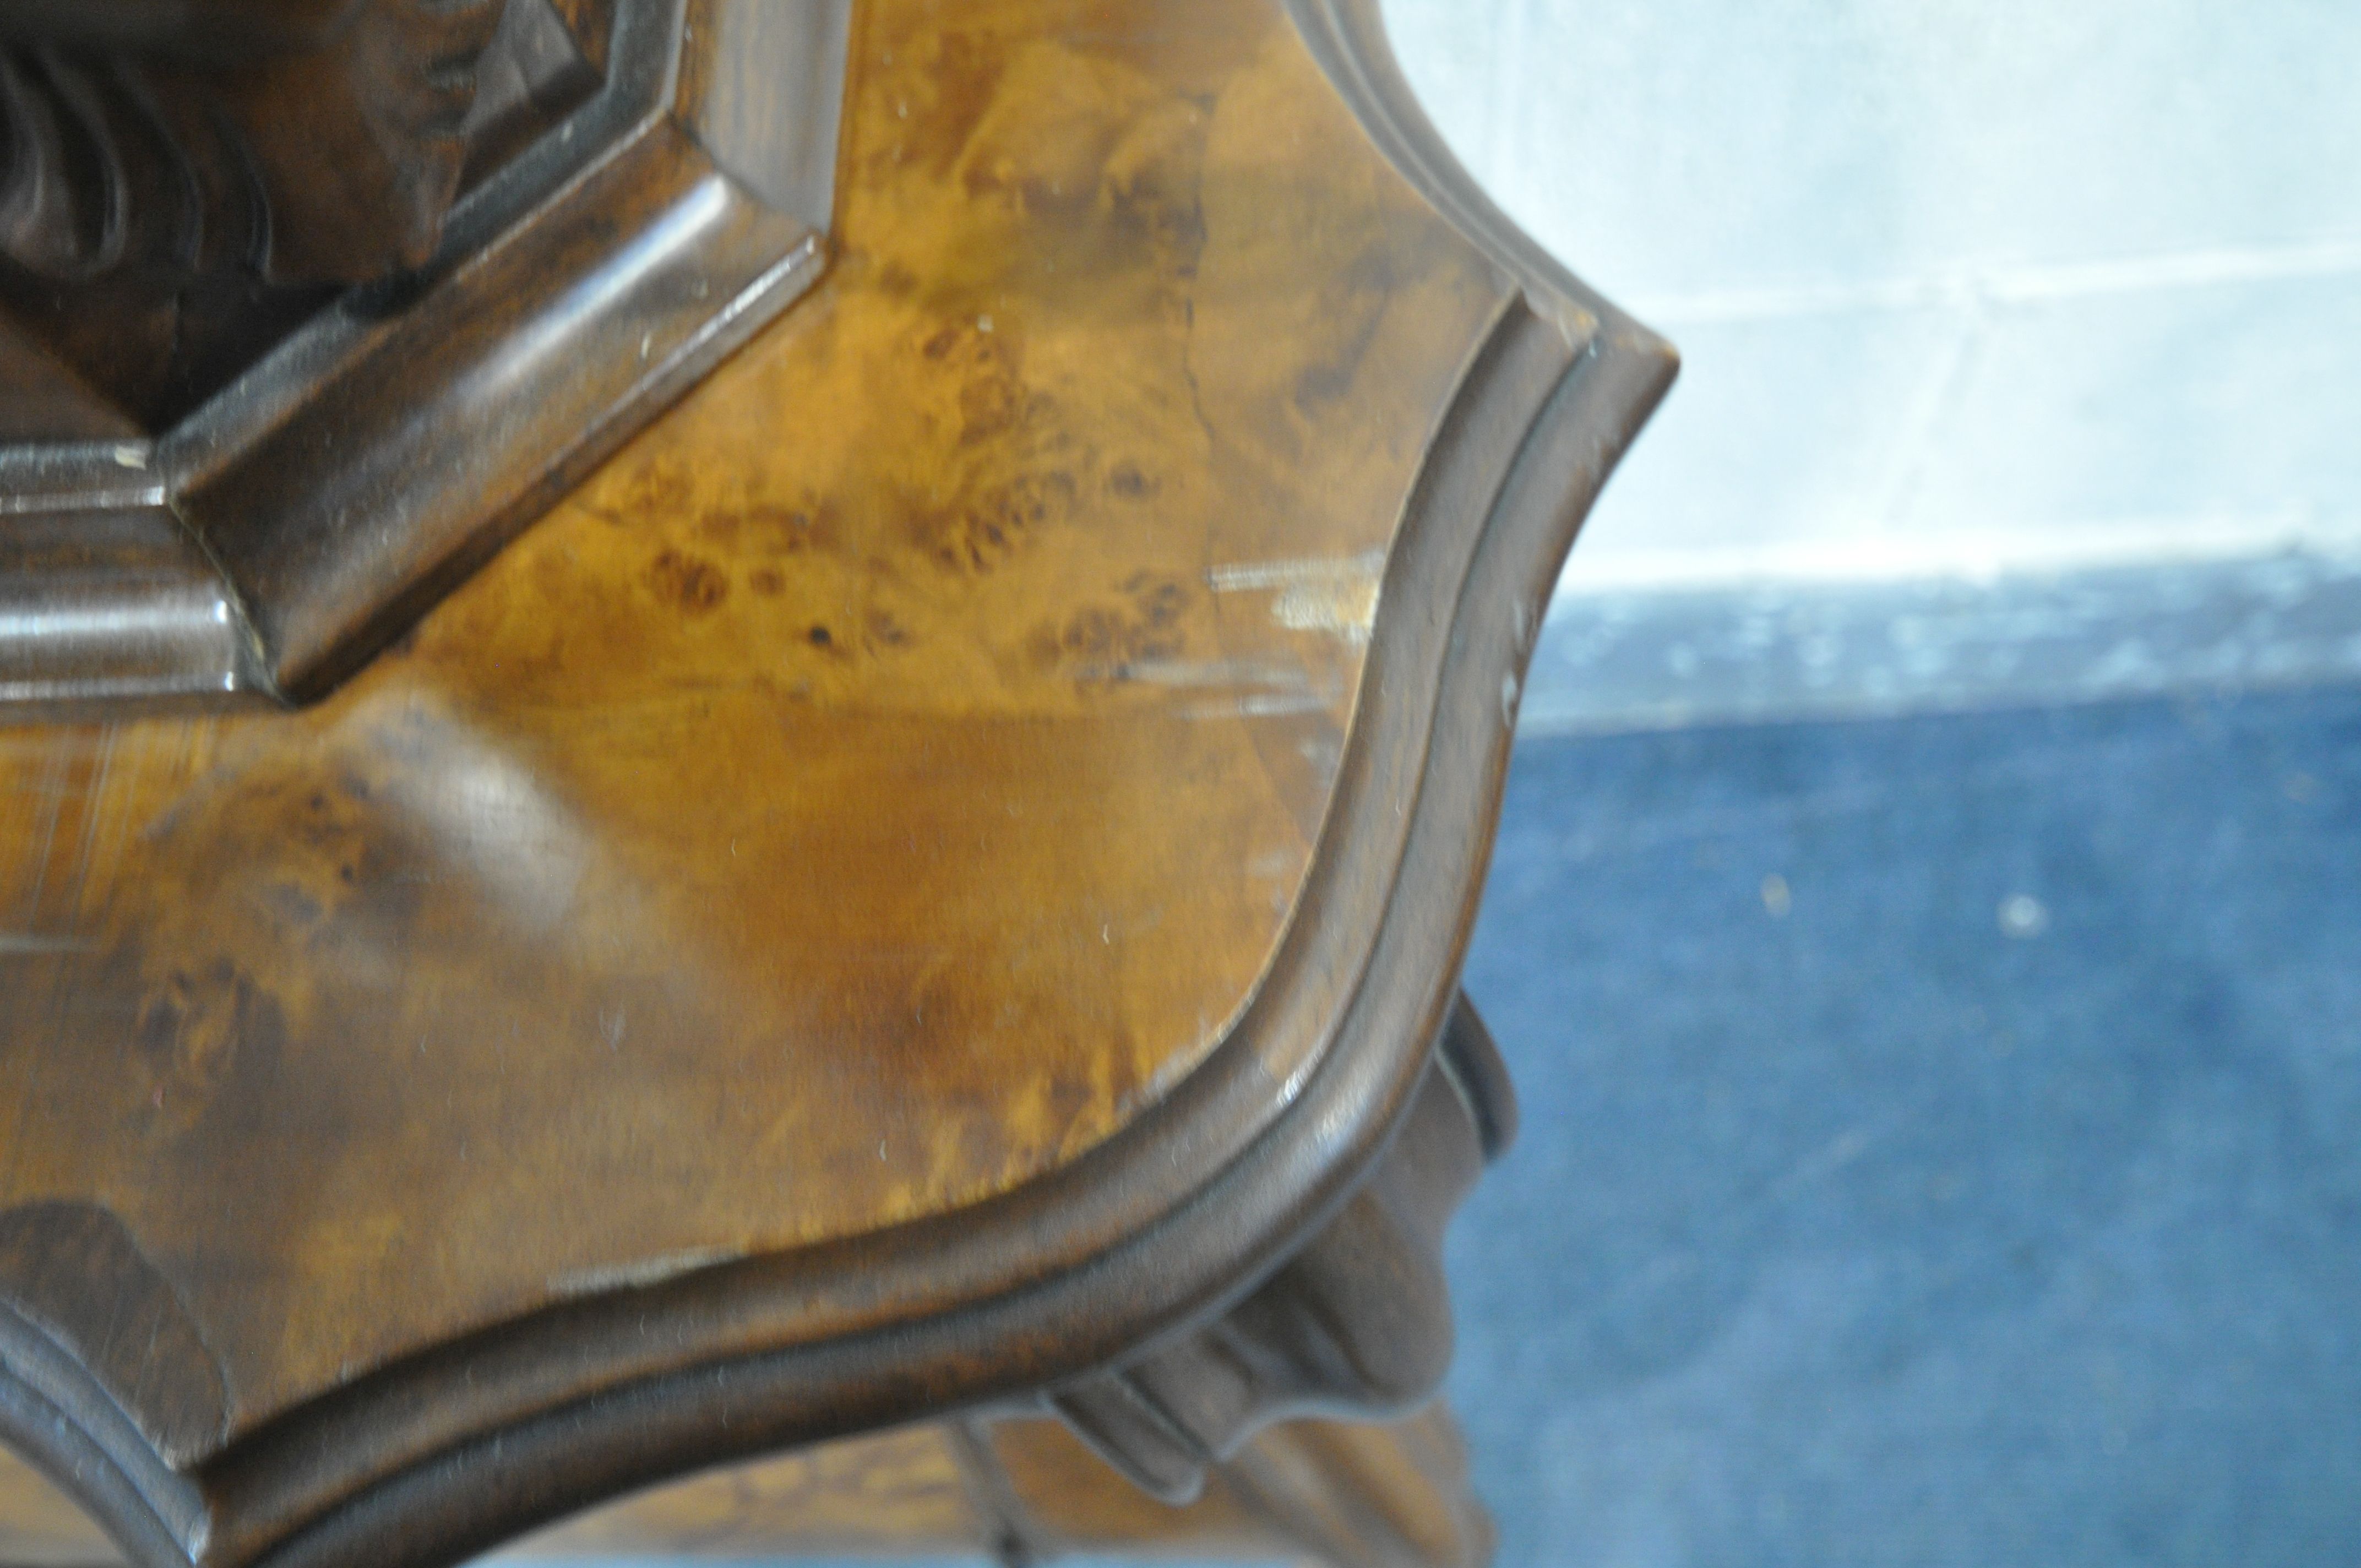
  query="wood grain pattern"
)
[
  {"x": 944, "y": 650},
  {"x": 895, "y": 892}
]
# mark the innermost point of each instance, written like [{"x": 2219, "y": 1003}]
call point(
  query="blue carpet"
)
[{"x": 1942, "y": 1143}]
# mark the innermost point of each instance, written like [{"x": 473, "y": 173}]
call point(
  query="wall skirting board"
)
[{"x": 1652, "y": 659}]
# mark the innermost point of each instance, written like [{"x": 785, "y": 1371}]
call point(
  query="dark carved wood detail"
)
[
  {"x": 351, "y": 288},
  {"x": 174, "y": 199},
  {"x": 334, "y": 163},
  {"x": 1358, "y": 1323}
]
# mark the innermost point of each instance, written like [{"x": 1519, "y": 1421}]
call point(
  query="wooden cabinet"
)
[{"x": 910, "y": 922}]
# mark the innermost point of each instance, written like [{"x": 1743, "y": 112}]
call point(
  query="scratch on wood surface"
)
[
  {"x": 51, "y": 795},
  {"x": 1336, "y": 596},
  {"x": 1264, "y": 690},
  {"x": 1216, "y": 673},
  {"x": 94, "y": 817},
  {"x": 1270, "y": 575},
  {"x": 1332, "y": 596},
  {"x": 1343, "y": 609},
  {"x": 1276, "y": 705}
]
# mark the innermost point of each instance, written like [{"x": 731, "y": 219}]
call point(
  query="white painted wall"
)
[{"x": 1961, "y": 286}]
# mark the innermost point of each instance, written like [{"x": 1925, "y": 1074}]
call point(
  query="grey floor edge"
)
[{"x": 1662, "y": 660}]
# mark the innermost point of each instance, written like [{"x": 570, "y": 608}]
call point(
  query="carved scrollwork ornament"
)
[
  {"x": 321, "y": 154},
  {"x": 261, "y": 262}
]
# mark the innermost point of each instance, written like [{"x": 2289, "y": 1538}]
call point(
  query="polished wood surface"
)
[
  {"x": 859, "y": 797},
  {"x": 939, "y": 865}
]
